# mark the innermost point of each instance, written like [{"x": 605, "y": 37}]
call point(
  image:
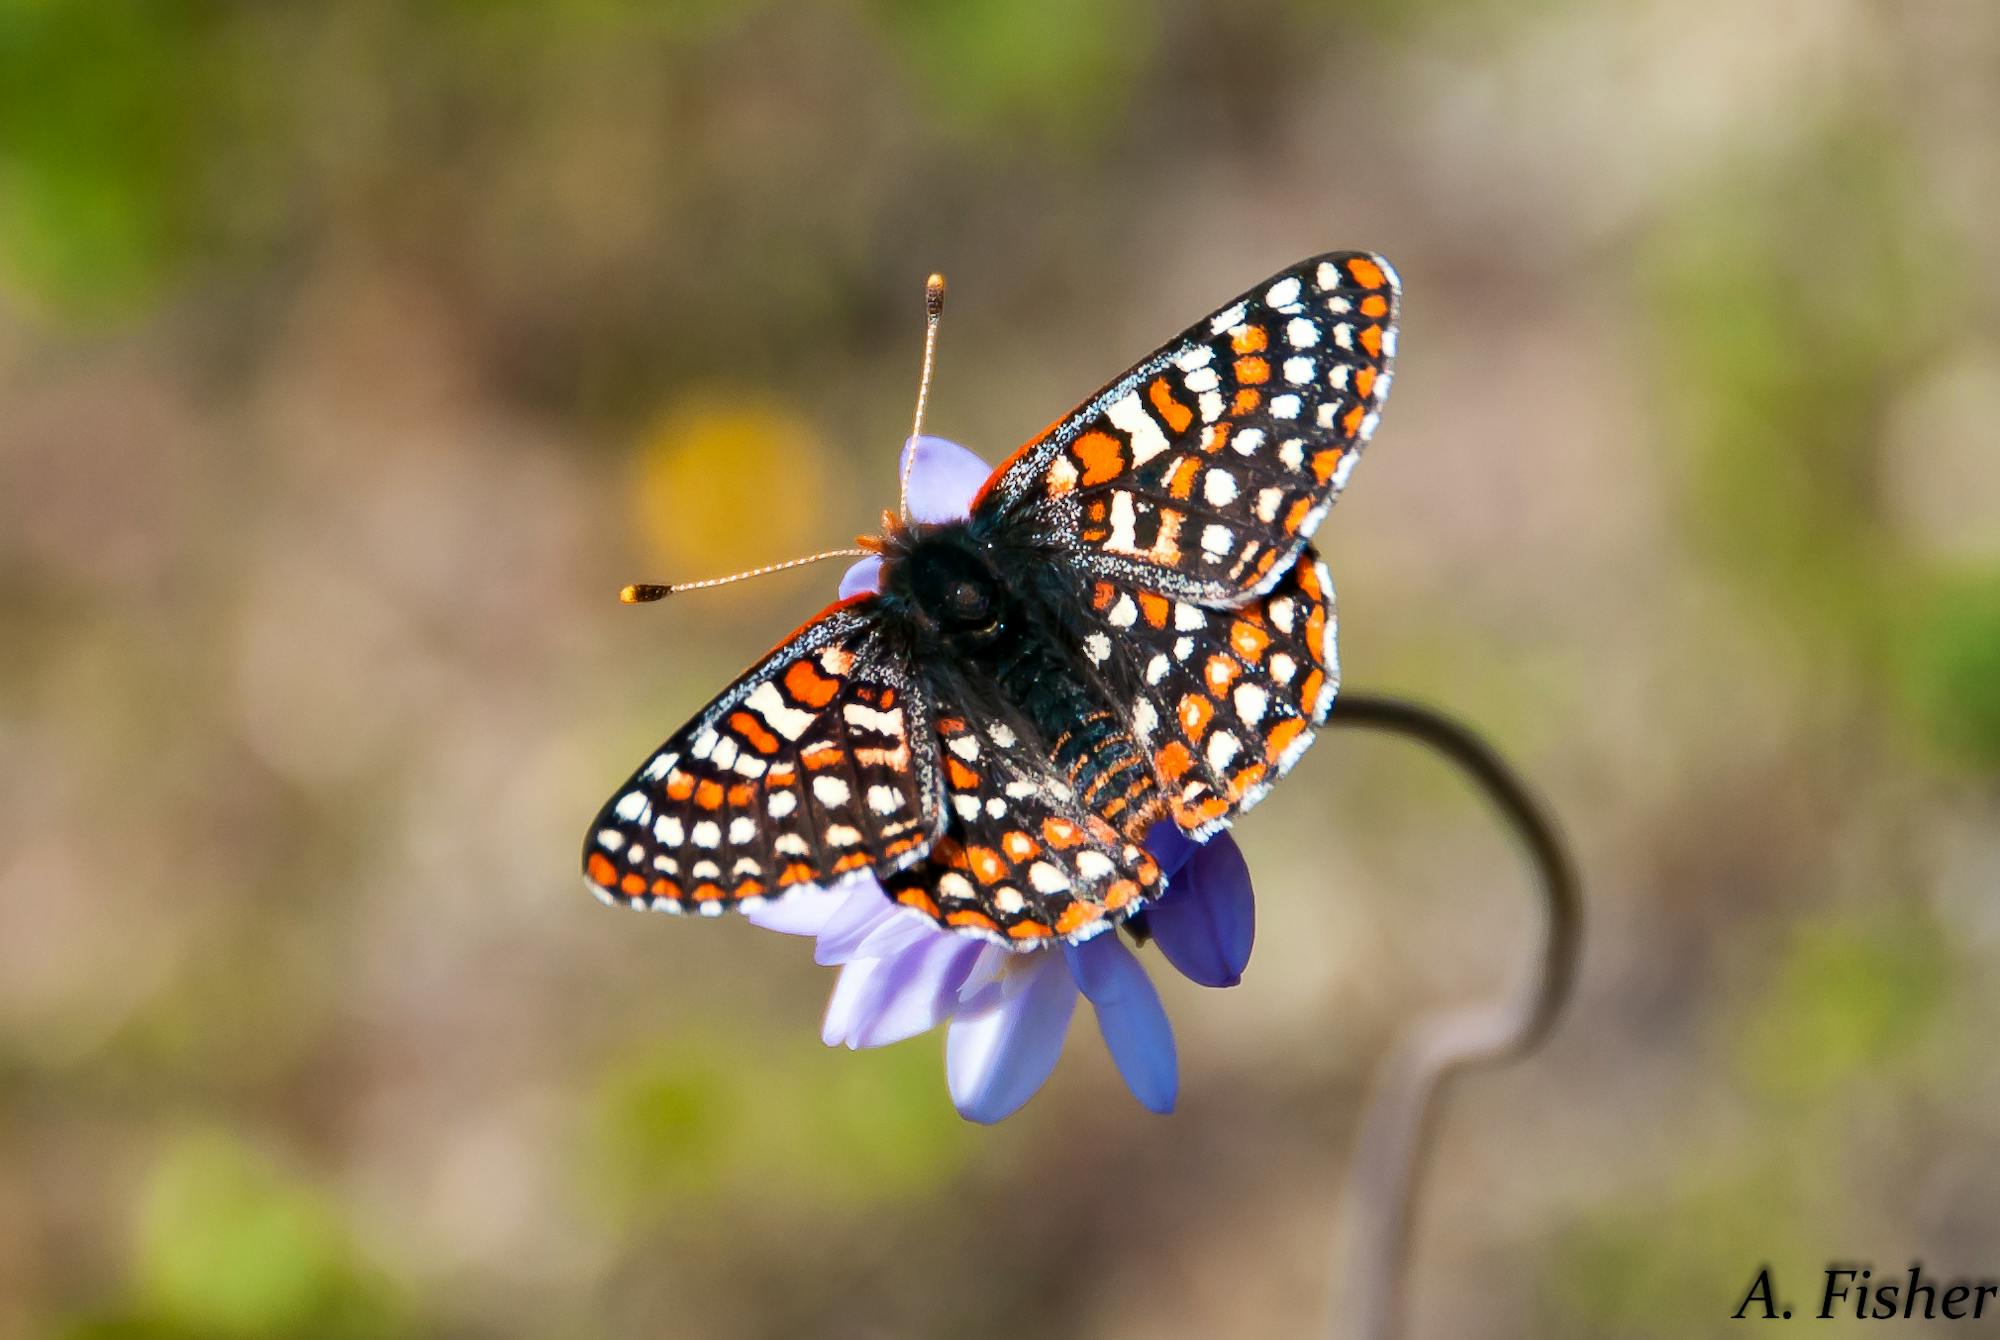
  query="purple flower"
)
[{"x": 1009, "y": 1011}]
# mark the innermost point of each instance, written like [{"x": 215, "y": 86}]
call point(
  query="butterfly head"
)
[{"x": 947, "y": 577}]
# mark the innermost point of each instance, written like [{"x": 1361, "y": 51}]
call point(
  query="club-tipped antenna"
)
[
  {"x": 640, "y": 593},
  {"x": 933, "y": 313}
]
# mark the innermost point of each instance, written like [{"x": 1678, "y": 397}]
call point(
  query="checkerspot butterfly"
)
[{"x": 1129, "y": 628}]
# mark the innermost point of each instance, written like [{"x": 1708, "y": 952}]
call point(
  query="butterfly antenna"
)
[
  {"x": 641, "y": 592},
  {"x": 933, "y": 313}
]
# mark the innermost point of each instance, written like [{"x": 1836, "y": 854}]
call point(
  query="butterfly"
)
[{"x": 1130, "y": 627}]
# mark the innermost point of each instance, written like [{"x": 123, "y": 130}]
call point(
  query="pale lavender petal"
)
[
  {"x": 916, "y": 990},
  {"x": 904, "y": 928},
  {"x": 800, "y": 911},
  {"x": 983, "y": 982},
  {"x": 865, "y": 575},
  {"x": 1130, "y": 1017},
  {"x": 1207, "y": 921},
  {"x": 867, "y": 908},
  {"x": 994, "y": 1060},
  {"x": 854, "y": 992},
  {"x": 944, "y": 477}
]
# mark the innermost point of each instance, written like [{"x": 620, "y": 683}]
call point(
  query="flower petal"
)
[
  {"x": 866, "y": 910},
  {"x": 995, "y": 1059},
  {"x": 1170, "y": 847},
  {"x": 944, "y": 478},
  {"x": 915, "y": 991},
  {"x": 1130, "y": 1017},
  {"x": 864, "y": 575},
  {"x": 853, "y": 993},
  {"x": 799, "y": 911},
  {"x": 1207, "y": 921}
]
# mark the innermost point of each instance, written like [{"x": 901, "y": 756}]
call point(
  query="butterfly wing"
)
[
  {"x": 1223, "y": 700},
  {"x": 1203, "y": 471},
  {"x": 819, "y": 761},
  {"x": 1022, "y": 859}
]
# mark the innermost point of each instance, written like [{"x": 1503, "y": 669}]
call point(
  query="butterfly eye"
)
[{"x": 966, "y": 602}]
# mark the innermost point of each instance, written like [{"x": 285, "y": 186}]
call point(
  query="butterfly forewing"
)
[
  {"x": 818, "y": 762},
  {"x": 1202, "y": 472}
]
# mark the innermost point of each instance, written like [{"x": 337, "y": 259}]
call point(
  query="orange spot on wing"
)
[
  {"x": 1155, "y": 608},
  {"x": 1371, "y": 340},
  {"x": 1120, "y": 893},
  {"x": 798, "y": 872},
  {"x": 1076, "y": 916},
  {"x": 753, "y": 730},
  {"x": 968, "y": 917},
  {"x": 918, "y": 899},
  {"x": 1029, "y": 930},
  {"x": 962, "y": 778},
  {"x": 747, "y": 888},
  {"x": 1180, "y": 479},
  {"x": 1245, "y": 402},
  {"x": 1177, "y": 415},
  {"x": 633, "y": 885},
  {"x": 1296, "y": 516},
  {"x": 1364, "y": 382},
  {"x": 1061, "y": 833},
  {"x": 1245, "y": 781},
  {"x": 1102, "y": 595},
  {"x": 822, "y": 755},
  {"x": 808, "y": 685},
  {"x": 707, "y": 893},
  {"x": 1249, "y": 339},
  {"x": 1101, "y": 455},
  {"x": 1281, "y": 737},
  {"x": 665, "y": 888},
  {"x": 1247, "y": 640},
  {"x": 742, "y": 794},
  {"x": 1309, "y": 689},
  {"x": 680, "y": 785},
  {"x": 709, "y": 795},
  {"x": 1173, "y": 760},
  {"x": 1366, "y": 272},
  {"x": 985, "y": 864},
  {"x": 854, "y": 860},
  {"x": 1375, "y": 305},
  {"x": 601, "y": 870},
  {"x": 1220, "y": 672},
  {"x": 1196, "y": 712},
  {"x": 1252, "y": 371},
  {"x": 1326, "y": 462},
  {"x": 1020, "y": 848}
]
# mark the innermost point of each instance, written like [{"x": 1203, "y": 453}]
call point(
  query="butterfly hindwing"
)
[
  {"x": 1022, "y": 859},
  {"x": 1204, "y": 470},
  {"x": 1225, "y": 700},
  {"x": 819, "y": 761}
]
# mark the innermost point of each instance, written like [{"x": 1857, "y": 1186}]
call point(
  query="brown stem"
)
[{"x": 1397, "y": 1123}]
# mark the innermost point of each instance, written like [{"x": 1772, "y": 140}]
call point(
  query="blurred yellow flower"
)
[{"x": 723, "y": 484}]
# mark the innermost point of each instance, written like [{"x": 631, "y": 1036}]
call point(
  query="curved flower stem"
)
[{"x": 1396, "y": 1124}]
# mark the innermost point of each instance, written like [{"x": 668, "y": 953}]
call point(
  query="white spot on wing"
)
[
  {"x": 1129, "y": 413},
  {"x": 1219, "y": 487},
  {"x": 781, "y": 804},
  {"x": 631, "y": 805},
  {"x": 830, "y": 791},
  {"x": 779, "y": 715}
]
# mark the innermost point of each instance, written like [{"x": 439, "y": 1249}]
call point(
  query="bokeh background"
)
[{"x": 352, "y": 356}]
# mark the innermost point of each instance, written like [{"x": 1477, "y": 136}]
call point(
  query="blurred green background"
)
[{"x": 352, "y": 356}]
